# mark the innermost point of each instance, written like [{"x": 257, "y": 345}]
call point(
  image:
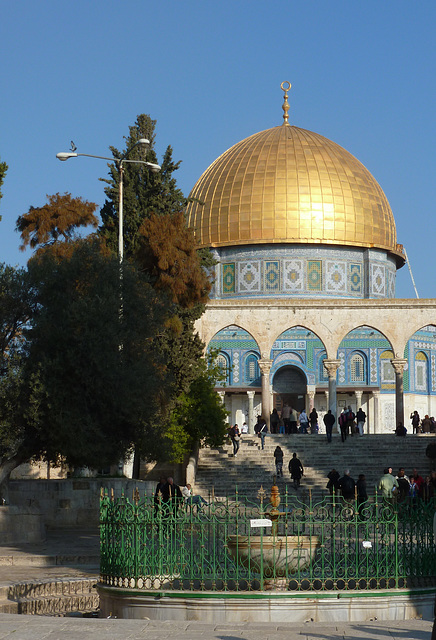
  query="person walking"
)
[
  {"x": 350, "y": 421},
  {"x": 415, "y": 422},
  {"x": 274, "y": 421},
  {"x": 304, "y": 422},
  {"x": 426, "y": 424},
  {"x": 333, "y": 483},
  {"x": 235, "y": 437},
  {"x": 388, "y": 485},
  {"x": 278, "y": 455},
  {"x": 329, "y": 421},
  {"x": 347, "y": 485},
  {"x": 403, "y": 484},
  {"x": 261, "y": 429},
  {"x": 293, "y": 418},
  {"x": 296, "y": 470},
  {"x": 343, "y": 425},
  {"x": 360, "y": 417},
  {"x": 313, "y": 419},
  {"x": 286, "y": 412}
]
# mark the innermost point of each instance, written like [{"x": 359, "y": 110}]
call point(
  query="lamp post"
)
[{"x": 119, "y": 162}]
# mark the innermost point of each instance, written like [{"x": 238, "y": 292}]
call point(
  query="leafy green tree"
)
[
  {"x": 144, "y": 191},
  {"x": 55, "y": 225},
  {"x": 16, "y": 308},
  {"x": 89, "y": 379},
  {"x": 3, "y": 169},
  {"x": 199, "y": 416}
]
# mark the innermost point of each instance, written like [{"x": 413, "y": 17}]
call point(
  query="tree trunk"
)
[
  {"x": 6, "y": 468},
  {"x": 136, "y": 465}
]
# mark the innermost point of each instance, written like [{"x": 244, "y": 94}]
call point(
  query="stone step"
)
[
  {"x": 49, "y": 597},
  {"x": 254, "y": 467}
]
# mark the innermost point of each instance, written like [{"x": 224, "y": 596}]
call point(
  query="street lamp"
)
[{"x": 119, "y": 162}]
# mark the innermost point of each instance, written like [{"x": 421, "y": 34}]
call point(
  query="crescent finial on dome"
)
[{"x": 286, "y": 85}]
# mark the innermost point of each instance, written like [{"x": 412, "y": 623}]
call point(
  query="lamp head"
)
[
  {"x": 154, "y": 168},
  {"x": 65, "y": 155},
  {"x": 144, "y": 142}
]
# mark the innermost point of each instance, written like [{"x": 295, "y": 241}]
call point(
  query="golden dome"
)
[{"x": 289, "y": 185}]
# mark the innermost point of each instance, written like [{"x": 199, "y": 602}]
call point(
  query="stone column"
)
[
  {"x": 265, "y": 368},
  {"x": 250, "y": 395},
  {"x": 358, "y": 394},
  {"x": 399, "y": 364},
  {"x": 376, "y": 396},
  {"x": 326, "y": 393},
  {"x": 332, "y": 367},
  {"x": 310, "y": 399}
]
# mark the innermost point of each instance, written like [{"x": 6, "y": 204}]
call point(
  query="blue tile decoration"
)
[
  {"x": 293, "y": 276},
  {"x": 378, "y": 281},
  {"x": 391, "y": 283},
  {"x": 249, "y": 276},
  {"x": 335, "y": 276},
  {"x": 272, "y": 275},
  {"x": 235, "y": 366},
  {"x": 355, "y": 278},
  {"x": 314, "y": 275},
  {"x": 229, "y": 277},
  {"x": 433, "y": 372}
]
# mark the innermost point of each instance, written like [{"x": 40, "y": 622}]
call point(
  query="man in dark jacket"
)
[
  {"x": 329, "y": 421},
  {"x": 360, "y": 418},
  {"x": 296, "y": 470},
  {"x": 346, "y": 484},
  {"x": 171, "y": 496}
]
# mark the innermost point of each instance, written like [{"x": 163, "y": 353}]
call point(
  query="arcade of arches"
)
[{"x": 385, "y": 363}]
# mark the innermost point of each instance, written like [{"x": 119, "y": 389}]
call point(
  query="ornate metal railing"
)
[{"x": 330, "y": 544}]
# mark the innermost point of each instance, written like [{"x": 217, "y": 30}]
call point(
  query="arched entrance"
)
[{"x": 290, "y": 385}]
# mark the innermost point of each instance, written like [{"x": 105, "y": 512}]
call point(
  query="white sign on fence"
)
[{"x": 261, "y": 522}]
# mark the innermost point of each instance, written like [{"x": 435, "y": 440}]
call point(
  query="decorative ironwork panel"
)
[{"x": 289, "y": 544}]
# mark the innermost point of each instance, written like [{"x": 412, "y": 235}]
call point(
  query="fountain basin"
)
[{"x": 273, "y": 556}]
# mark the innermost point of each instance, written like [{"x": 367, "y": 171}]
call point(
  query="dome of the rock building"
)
[
  {"x": 289, "y": 185},
  {"x": 290, "y": 213}
]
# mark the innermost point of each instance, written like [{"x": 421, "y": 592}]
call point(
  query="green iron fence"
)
[{"x": 240, "y": 545}]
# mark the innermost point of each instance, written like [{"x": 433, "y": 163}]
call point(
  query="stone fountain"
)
[{"x": 274, "y": 556}]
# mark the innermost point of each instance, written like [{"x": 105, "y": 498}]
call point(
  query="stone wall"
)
[{"x": 73, "y": 502}]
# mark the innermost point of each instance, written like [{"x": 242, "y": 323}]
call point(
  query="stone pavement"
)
[
  {"x": 75, "y": 553},
  {"x": 18, "y": 627}
]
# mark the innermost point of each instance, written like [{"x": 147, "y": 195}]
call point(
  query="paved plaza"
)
[
  {"x": 38, "y": 628},
  {"x": 74, "y": 554}
]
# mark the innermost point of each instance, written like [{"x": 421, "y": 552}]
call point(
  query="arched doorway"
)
[{"x": 290, "y": 385}]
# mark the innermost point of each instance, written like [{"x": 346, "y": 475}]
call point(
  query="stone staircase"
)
[
  {"x": 52, "y": 577},
  {"x": 219, "y": 472},
  {"x": 50, "y": 597}
]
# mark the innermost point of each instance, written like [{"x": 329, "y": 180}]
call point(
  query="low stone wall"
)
[
  {"x": 21, "y": 524},
  {"x": 356, "y": 606},
  {"x": 70, "y": 503}
]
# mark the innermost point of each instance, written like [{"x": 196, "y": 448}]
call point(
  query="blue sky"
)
[{"x": 362, "y": 73}]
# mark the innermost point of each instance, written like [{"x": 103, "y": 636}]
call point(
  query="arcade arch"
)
[
  {"x": 420, "y": 371},
  {"x": 238, "y": 357},
  {"x": 359, "y": 375}
]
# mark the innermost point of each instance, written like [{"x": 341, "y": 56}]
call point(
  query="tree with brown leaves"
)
[
  {"x": 56, "y": 223},
  {"x": 167, "y": 251}
]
